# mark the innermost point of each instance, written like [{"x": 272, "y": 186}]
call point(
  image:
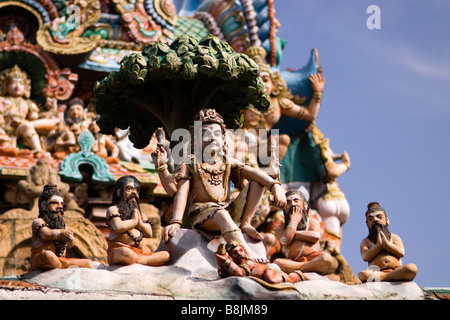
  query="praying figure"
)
[
  {"x": 51, "y": 238},
  {"x": 129, "y": 226},
  {"x": 205, "y": 176},
  {"x": 383, "y": 250}
]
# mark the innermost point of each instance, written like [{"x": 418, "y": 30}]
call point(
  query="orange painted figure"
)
[
  {"x": 51, "y": 238},
  {"x": 383, "y": 250},
  {"x": 129, "y": 226}
]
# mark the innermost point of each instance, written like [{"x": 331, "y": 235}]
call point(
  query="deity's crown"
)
[
  {"x": 258, "y": 54},
  {"x": 210, "y": 116},
  {"x": 15, "y": 72}
]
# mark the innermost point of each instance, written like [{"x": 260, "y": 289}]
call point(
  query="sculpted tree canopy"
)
[{"x": 166, "y": 84}]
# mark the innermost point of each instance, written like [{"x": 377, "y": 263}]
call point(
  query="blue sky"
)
[{"x": 387, "y": 102}]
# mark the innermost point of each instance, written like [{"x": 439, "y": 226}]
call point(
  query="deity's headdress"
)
[
  {"x": 258, "y": 54},
  {"x": 14, "y": 73},
  {"x": 210, "y": 116}
]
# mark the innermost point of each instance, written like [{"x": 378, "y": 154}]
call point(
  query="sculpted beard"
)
[
  {"x": 126, "y": 206},
  {"x": 55, "y": 221},
  {"x": 377, "y": 228},
  {"x": 303, "y": 222}
]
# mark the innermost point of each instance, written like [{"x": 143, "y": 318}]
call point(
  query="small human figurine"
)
[
  {"x": 21, "y": 113},
  {"x": 299, "y": 237},
  {"x": 103, "y": 145},
  {"x": 76, "y": 118},
  {"x": 61, "y": 142},
  {"x": 207, "y": 181},
  {"x": 129, "y": 226},
  {"x": 383, "y": 250},
  {"x": 233, "y": 261},
  {"x": 50, "y": 237}
]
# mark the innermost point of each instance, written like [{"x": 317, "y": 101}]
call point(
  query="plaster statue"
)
[
  {"x": 104, "y": 145},
  {"x": 22, "y": 114},
  {"x": 300, "y": 239},
  {"x": 50, "y": 237},
  {"x": 233, "y": 261},
  {"x": 281, "y": 102},
  {"x": 332, "y": 205},
  {"x": 129, "y": 226},
  {"x": 76, "y": 118},
  {"x": 60, "y": 142},
  {"x": 383, "y": 250},
  {"x": 206, "y": 178}
]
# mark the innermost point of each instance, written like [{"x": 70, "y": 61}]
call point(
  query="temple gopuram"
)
[{"x": 57, "y": 56}]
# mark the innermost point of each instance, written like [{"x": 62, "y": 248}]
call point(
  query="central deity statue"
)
[{"x": 206, "y": 178}]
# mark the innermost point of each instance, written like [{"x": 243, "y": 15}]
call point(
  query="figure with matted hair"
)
[
  {"x": 205, "y": 175},
  {"x": 51, "y": 238},
  {"x": 129, "y": 226},
  {"x": 383, "y": 250},
  {"x": 300, "y": 239}
]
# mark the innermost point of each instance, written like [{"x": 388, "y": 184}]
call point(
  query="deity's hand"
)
[
  {"x": 346, "y": 159},
  {"x": 159, "y": 157},
  {"x": 169, "y": 231},
  {"x": 279, "y": 196},
  {"x": 317, "y": 82},
  {"x": 273, "y": 169}
]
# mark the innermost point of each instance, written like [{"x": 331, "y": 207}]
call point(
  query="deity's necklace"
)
[
  {"x": 262, "y": 113},
  {"x": 215, "y": 174},
  {"x": 215, "y": 179}
]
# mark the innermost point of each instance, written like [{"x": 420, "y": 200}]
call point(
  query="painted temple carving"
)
[{"x": 80, "y": 64}]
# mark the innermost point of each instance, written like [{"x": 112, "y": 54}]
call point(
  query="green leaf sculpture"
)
[{"x": 166, "y": 84}]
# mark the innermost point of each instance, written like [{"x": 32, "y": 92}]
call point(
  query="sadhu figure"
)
[{"x": 51, "y": 238}]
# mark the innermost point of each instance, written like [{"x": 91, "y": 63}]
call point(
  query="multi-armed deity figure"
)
[
  {"x": 206, "y": 178},
  {"x": 233, "y": 261},
  {"x": 299, "y": 237},
  {"x": 281, "y": 102},
  {"x": 51, "y": 238},
  {"x": 129, "y": 226},
  {"x": 22, "y": 114},
  {"x": 383, "y": 250}
]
